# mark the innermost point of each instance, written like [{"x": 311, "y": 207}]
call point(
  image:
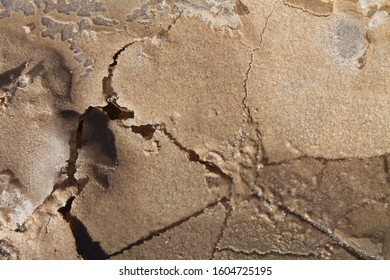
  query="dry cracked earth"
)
[{"x": 194, "y": 129}]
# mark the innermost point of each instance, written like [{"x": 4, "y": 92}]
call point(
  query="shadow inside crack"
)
[
  {"x": 8, "y": 76},
  {"x": 97, "y": 138},
  {"x": 86, "y": 247},
  {"x": 116, "y": 112},
  {"x": 146, "y": 131}
]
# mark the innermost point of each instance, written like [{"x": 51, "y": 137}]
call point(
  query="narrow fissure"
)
[
  {"x": 351, "y": 250},
  {"x": 320, "y": 159},
  {"x": 271, "y": 252},
  {"x": 304, "y": 10},
  {"x": 193, "y": 156},
  {"x": 156, "y": 233},
  {"x": 387, "y": 168},
  {"x": 229, "y": 210},
  {"x": 247, "y": 110},
  {"x": 266, "y": 24},
  {"x": 108, "y": 89}
]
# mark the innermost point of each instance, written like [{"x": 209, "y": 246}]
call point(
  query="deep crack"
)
[
  {"x": 146, "y": 131},
  {"x": 108, "y": 90},
  {"x": 116, "y": 112},
  {"x": 86, "y": 247}
]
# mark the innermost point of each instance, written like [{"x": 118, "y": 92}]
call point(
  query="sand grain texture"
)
[{"x": 234, "y": 129}]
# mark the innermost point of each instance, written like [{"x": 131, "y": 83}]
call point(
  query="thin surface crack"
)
[
  {"x": 248, "y": 114},
  {"x": 352, "y": 250},
  {"x": 252, "y": 59},
  {"x": 193, "y": 156},
  {"x": 108, "y": 90},
  {"x": 164, "y": 32},
  {"x": 304, "y": 10},
  {"x": 363, "y": 204},
  {"x": 244, "y": 101},
  {"x": 266, "y": 24},
  {"x": 321, "y": 159},
  {"x": 229, "y": 211},
  {"x": 256, "y": 253},
  {"x": 247, "y": 109},
  {"x": 159, "y": 232}
]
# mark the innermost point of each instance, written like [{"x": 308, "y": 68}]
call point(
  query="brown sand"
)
[{"x": 195, "y": 129}]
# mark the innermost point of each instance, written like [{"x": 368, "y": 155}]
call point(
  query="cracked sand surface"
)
[{"x": 194, "y": 129}]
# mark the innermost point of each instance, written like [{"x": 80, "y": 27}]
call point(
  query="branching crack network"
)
[{"x": 90, "y": 249}]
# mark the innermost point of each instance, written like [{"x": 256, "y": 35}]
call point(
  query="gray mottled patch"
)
[{"x": 348, "y": 42}]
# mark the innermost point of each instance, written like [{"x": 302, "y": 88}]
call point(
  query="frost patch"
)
[
  {"x": 378, "y": 19},
  {"x": 219, "y": 13},
  {"x": 348, "y": 43},
  {"x": 15, "y": 207}
]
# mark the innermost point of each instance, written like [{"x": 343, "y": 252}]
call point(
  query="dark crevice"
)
[
  {"x": 108, "y": 89},
  {"x": 65, "y": 210},
  {"x": 92, "y": 128},
  {"x": 96, "y": 119},
  {"x": 146, "y": 131},
  {"x": 69, "y": 114},
  {"x": 5, "y": 253},
  {"x": 86, "y": 247},
  {"x": 98, "y": 140},
  {"x": 74, "y": 145},
  {"x": 116, "y": 112},
  {"x": 9, "y": 76},
  {"x": 10, "y": 83},
  {"x": 358, "y": 254},
  {"x": 156, "y": 233},
  {"x": 387, "y": 168}
]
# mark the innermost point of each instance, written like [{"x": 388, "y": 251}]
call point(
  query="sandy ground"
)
[{"x": 194, "y": 129}]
